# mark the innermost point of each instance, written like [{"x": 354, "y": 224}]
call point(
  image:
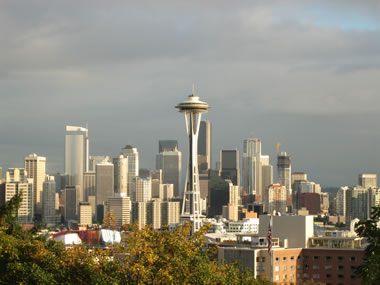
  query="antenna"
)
[
  {"x": 278, "y": 148},
  {"x": 193, "y": 90}
]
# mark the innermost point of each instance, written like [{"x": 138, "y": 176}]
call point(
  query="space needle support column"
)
[{"x": 191, "y": 207}]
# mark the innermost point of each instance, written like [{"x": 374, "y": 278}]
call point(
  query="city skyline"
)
[{"x": 316, "y": 95}]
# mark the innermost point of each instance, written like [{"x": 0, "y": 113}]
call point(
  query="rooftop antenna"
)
[
  {"x": 278, "y": 148},
  {"x": 87, "y": 125},
  {"x": 192, "y": 93}
]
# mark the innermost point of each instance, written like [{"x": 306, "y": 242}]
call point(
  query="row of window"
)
[
  {"x": 329, "y": 258},
  {"x": 328, "y": 276},
  {"x": 284, "y": 258},
  {"x": 328, "y": 267}
]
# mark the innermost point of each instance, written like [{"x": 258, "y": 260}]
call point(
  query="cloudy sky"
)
[{"x": 302, "y": 73}]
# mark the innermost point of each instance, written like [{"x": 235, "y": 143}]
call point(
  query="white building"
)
[
  {"x": 133, "y": 164},
  {"x": 49, "y": 213},
  {"x": 249, "y": 225},
  {"x": 121, "y": 174},
  {"x": 275, "y": 198},
  {"x": 141, "y": 189},
  {"x": 76, "y": 157},
  {"x": 35, "y": 167},
  {"x": 120, "y": 207},
  {"x": 85, "y": 214}
]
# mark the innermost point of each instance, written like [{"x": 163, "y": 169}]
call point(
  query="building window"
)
[
  {"x": 299, "y": 257},
  {"x": 276, "y": 268},
  {"x": 298, "y": 266},
  {"x": 306, "y": 275},
  {"x": 340, "y": 276},
  {"x": 306, "y": 266},
  {"x": 298, "y": 275},
  {"x": 291, "y": 267},
  {"x": 284, "y": 258},
  {"x": 328, "y": 258},
  {"x": 316, "y": 267},
  {"x": 291, "y": 276},
  {"x": 352, "y": 258},
  {"x": 328, "y": 276},
  {"x": 306, "y": 257},
  {"x": 353, "y": 268},
  {"x": 284, "y": 268},
  {"x": 353, "y": 277},
  {"x": 284, "y": 277},
  {"x": 340, "y": 258},
  {"x": 340, "y": 267},
  {"x": 328, "y": 267},
  {"x": 277, "y": 259},
  {"x": 277, "y": 277},
  {"x": 292, "y": 258},
  {"x": 315, "y": 257},
  {"x": 316, "y": 276}
]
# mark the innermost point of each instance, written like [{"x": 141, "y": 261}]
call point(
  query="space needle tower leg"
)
[{"x": 191, "y": 206}]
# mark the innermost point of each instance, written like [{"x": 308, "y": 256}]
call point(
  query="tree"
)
[{"x": 369, "y": 271}]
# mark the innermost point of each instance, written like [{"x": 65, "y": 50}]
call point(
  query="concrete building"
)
[
  {"x": 296, "y": 229},
  {"x": 141, "y": 189},
  {"x": 89, "y": 184},
  {"x": 139, "y": 214},
  {"x": 132, "y": 154},
  {"x": 49, "y": 213},
  {"x": 298, "y": 176},
  {"x": 170, "y": 161},
  {"x": 249, "y": 225},
  {"x": 96, "y": 159},
  {"x": 219, "y": 191},
  {"x": 154, "y": 214},
  {"x": 120, "y": 207},
  {"x": 275, "y": 199},
  {"x": 71, "y": 205},
  {"x": 104, "y": 182},
  {"x": 231, "y": 210},
  {"x": 267, "y": 177},
  {"x": 229, "y": 166},
  {"x": 310, "y": 201},
  {"x": 170, "y": 213},
  {"x": 85, "y": 214},
  {"x": 121, "y": 174},
  {"x": 16, "y": 182},
  {"x": 204, "y": 146},
  {"x": 284, "y": 172},
  {"x": 35, "y": 167},
  {"x": 251, "y": 170},
  {"x": 368, "y": 180}
]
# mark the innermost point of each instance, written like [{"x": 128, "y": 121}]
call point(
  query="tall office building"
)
[
  {"x": 284, "y": 172},
  {"x": 95, "y": 159},
  {"x": 104, "y": 182},
  {"x": 229, "y": 166},
  {"x": 16, "y": 182},
  {"x": 71, "y": 204},
  {"x": 170, "y": 213},
  {"x": 368, "y": 180},
  {"x": 1, "y": 175},
  {"x": 204, "y": 146},
  {"x": 170, "y": 161},
  {"x": 298, "y": 176},
  {"x": 141, "y": 189},
  {"x": 252, "y": 166},
  {"x": 231, "y": 210},
  {"x": 341, "y": 198},
  {"x": 133, "y": 164},
  {"x": 275, "y": 199},
  {"x": 35, "y": 167},
  {"x": 121, "y": 174},
  {"x": 120, "y": 207},
  {"x": 49, "y": 213},
  {"x": 76, "y": 157},
  {"x": 85, "y": 214},
  {"x": 89, "y": 185}
]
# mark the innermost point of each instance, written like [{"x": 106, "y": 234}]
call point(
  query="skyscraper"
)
[
  {"x": 133, "y": 164},
  {"x": 204, "y": 146},
  {"x": 141, "y": 190},
  {"x": 229, "y": 166},
  {"x": 35, "y": 167},
  {"x": 76, "y": 157},
  {"x": 49, "y": 213},
  {"x": 121, "y": 174},
  {"x": 104, "y": 182},
  {"x": 120, "y": 207},
  {"x": 252, "y": 166},
  {"x": 368, "y": 180},
  {"x": 170, "y": 161},
  {"x": 275, "y": 199},
  {"x": 191, "y": 208},
  {"x": 284, "y": 172}
]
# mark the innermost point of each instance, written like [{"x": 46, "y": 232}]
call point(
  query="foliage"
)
[
  {"x": 109, "y": 221},
  {"x": 369, "y": 271},
  {"x": 149, "y": 257}
]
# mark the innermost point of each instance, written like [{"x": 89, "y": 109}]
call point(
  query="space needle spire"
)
[{"x": 193, "y": 109}]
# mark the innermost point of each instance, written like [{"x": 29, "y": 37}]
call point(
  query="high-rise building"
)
[
  {"x": 35, "y": 167},
  {"x": 121, "y": 174},
  {"x": 204, "y": 146},
  {"x": 89, "y": 185},
  {"x": 284, "y": 172},
  {"x": 16, "y": 183},
  {"x": 96, "y": 159},
  {"x": 193, "y": 109},
  {"x": 76, "y": 157},
  {"x": 252, "y": 166},
  {"x": 133, "y": 164},
  {"x": 218, "y": 196},
  {"x": 104, "y": 182},
  {"x": 229, "y": 166},
  {"x": 1, "y": 175},
  {"x": 153, "y": 215},
  {"x": 170, "y": 161},
  {"x": 139, "y": 214},
  {"x": 341, "y": 197},
  {"x": 71, "y": 202},
  {"x": 141, "y": 189},
  {"x": 85, "y": 213},
  {"x": 275, "y": 198},
  {"x": 170, "y": 213},
  {"x": 120, "y": 207},
  {"x": 49, "y": 213},
  {"x": 368, "y": 180},
  {"x": 298, "y": 176},
  {"x": 231, "y": 210}
]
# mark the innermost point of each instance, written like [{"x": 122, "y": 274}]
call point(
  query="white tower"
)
[{"x": 191, "y": 207}]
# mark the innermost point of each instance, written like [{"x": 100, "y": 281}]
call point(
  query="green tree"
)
[{"x": 369, "y": 271}]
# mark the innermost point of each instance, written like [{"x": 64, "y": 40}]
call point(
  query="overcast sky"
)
[{"x": 302, "y": 73}]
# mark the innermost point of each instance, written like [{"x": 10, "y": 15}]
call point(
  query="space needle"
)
[{"x": 193, "y": 109}]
